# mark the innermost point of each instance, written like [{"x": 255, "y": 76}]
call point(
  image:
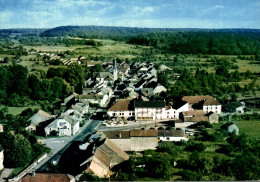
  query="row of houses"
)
[
  {"x": 65, "y": 124},
  {"x": 191, "y": 108}
]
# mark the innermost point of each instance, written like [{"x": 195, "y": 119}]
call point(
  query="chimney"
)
[{"x": 120, "y": 135}]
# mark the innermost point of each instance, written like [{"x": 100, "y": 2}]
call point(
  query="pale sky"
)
[{"x": 131, "y": 13}]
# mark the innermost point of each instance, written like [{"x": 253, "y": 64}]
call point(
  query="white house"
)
[
  {"x": 174, "y": 111},
  {"x": 101, "y": 100},
  {"x": 172, "y": 135},
  {"x": 123, "y": 108},
  {"x": 158, "y": 89},
  {"x": 206, "y": 103},
  {"x": 1, "y": 157},
  {"x": 64, "y": 126},
  {"x": 134, "y": 140},
  {"x": 234, "y": 107},
  {"x": 149, "y": 110}
]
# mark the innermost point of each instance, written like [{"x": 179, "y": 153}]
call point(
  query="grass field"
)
[
  {"x": 18, "y": 110},
  {"x": 250, "y": 128}
]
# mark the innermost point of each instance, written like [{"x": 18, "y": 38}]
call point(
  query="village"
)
[{"x": 124, "y": 103}]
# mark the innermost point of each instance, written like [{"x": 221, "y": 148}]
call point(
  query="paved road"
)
[
  {"x": 133, "y": 125},
  {"x": 59, "y": 144}
]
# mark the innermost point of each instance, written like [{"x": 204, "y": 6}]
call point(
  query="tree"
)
[
  {"x": 18, "y": 80},
  {"x": 88, "y": 177},
  {"x": 34, "y": 84},
  {"x": 75, "y": 76},
  {"x": 18, "y": 150},
  {"x": 159, "y": 168}
]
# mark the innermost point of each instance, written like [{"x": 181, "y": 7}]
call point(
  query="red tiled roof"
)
[
  {"x": 171, "y": 133},
  {"x": 143, "y": 133},
  {"x": 196, "y": 119},
  {"x": 209, "y": 100},
  {"x": 194, "y": 113},
  {"x": 103, "y": 157},
  {"x": 117, "y": 134},
  {"x": 121, "y": 105},
  {"x": 46, "y": 177}
]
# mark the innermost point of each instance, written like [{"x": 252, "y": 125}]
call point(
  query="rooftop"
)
[
  {"x": 150, "y": 104},
  {"x": 143, "y": 133},
  {"x": 193, "y": 113},
  {"x": 171, "y": 133},
  {"x": 47, "y": 177},
  {"x": 117, "y": 134},
  {"x": 208, "y": 100},
  {"x": 122, "y": 105},
  {"x": 196, "y": 119}
]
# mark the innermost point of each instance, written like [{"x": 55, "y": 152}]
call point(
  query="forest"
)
[{"x": 183, "y": 41}]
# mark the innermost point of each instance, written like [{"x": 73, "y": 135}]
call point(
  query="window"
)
[
  {"x": 216, "y": 107},
  {"x": 123, "y": 113},
  {"x": 130, "y": 114},
  {"x": 167, "y": 138}
]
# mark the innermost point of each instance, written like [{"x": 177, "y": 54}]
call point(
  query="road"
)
[
  {"x": 59, "y": 144},
  {"x": 133, "y": 125}
]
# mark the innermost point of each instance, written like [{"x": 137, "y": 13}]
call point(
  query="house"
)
[
  {"x": 171, "y": 135},
  {"x": 230, "y": 127},
  {"x": 103, "y": 77},
  {"x": 120, "y": 138},
  {"x": 81, "y": 107},
  {"x": 101, "y": 100},
  {"x": 206, "y": 103},
  {"x": 105, "y": 158},
  {"x": 64, "y": 126},
  {"x": 68, "y": 101},
  {"x": 36, "y": 119},
  {"x": 234, "y": 107},
  {"x": 194, "y": 116},
  {"x": 179, "y": 107},
  {"x": 134, "y": 140},
  {"x": 213, "y": 117},
  {"x": 123, "y": 108},
  {"x": 1, "y": 158},
  {"x": 149, "y": 110},
  {"x": 233, "y": 128},
  {"x": 143, "y": 140},
  {"x": 48, "y": 177},
  {"x": 158, "y": 89}
]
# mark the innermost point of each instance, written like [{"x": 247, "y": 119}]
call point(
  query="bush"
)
[
  {"x": 201, "y": 124},
  {"x": 227, "y": 149},
  {"x": 88, "y": 177},
  {"x": 188, "y": 175},
  {"x": 200, "y": 147}
]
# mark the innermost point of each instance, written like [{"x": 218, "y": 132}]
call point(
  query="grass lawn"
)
[
  {"x": 18, "y": 110},
  {"x": 250, "y": 128}
]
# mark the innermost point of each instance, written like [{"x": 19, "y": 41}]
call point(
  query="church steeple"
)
[{"x": 115, "y": 71}]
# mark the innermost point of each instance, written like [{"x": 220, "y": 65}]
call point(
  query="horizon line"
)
[{"x": 125, "y": 27}]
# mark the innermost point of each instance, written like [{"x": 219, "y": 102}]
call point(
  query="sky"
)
[{"x": 131, "y": 13}]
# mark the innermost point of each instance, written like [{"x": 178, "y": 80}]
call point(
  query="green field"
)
[
  {"x": 250, "y": 128},
  {"x": 18, "y": 110}
]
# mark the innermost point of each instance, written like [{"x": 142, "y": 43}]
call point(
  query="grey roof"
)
[
  {"x": 171, "y": 133},
  {"x": 150, "y": 104},
  {"x": 39, "y": 117}
]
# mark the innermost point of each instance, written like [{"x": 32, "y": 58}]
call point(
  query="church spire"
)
[{"x": 115, "y": 71}]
